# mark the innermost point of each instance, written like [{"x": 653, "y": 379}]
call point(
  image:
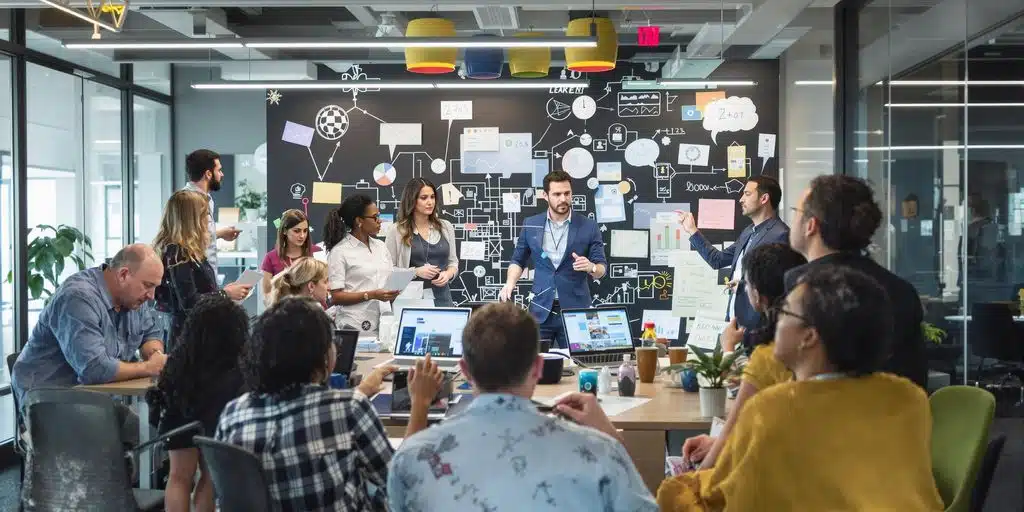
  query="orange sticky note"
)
[
  {"x": 705, "y": 97},
  {"x": 325, "y": 192}
]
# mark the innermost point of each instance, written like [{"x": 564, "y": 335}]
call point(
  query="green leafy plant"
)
[
  {"x": 715, "y": 366},
  {"x": 932, "y": 333},
  {"x": 48, "y": 254},
  {"x": 249, "y": 199}
]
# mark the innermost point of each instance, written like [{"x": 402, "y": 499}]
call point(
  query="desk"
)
[
  {"x": 135, "y": 389},
  {"x": 644, "y": 428}
]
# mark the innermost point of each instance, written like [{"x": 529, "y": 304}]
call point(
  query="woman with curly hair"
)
[{"x": 200, "y": 377}]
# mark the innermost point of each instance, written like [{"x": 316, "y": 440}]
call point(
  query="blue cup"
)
[
  {"x": 689, "y": 380},
  {"x": 588, "y": 381},
  {"x": 338, "y": 381}
]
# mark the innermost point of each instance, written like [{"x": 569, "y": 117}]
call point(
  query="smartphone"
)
[{"x": 401, "y": 401}]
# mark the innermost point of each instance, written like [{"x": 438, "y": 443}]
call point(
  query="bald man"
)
[{"x": 92, "y": 326}]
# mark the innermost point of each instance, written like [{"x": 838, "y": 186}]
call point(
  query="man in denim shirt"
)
[
  {"x": 501, "y": 453},
  {"x": 92, "y": 326}
]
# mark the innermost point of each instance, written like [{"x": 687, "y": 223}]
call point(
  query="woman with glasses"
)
[
  {"x": 358, "y": 264},
  {"x": 764, "y": 269},
  {"x": 843, "y": 435}
]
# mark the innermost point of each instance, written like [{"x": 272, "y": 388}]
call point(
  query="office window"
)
[
  {"x": 152, "y": 165},
  {"x": 7, "y": 339},
  {"x": 102, "y": 144},
  {"x": 153, "y": 75}
]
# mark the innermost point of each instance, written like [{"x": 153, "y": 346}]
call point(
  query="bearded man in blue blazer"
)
[{"x": 567, "y": 252}]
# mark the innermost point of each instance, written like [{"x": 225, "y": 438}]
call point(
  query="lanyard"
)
[{"x": 551, "y": 234}]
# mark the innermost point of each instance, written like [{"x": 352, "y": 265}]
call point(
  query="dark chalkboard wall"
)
[{"x": 553, "y": 128}]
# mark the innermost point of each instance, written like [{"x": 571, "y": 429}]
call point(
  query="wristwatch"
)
[
  {"x": 593, "y": 269},
  {"x": 366, "y": 296}
]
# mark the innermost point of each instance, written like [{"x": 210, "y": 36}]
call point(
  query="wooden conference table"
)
[{"x": 643, "y": 427}]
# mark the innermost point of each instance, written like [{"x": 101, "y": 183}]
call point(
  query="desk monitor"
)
[
  {"x": 345, "y": 341},
  {"x": 597, "y": 330},
  {"x": 434, "y": 331}
]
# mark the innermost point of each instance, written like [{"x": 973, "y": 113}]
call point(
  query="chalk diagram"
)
[{"x": 478, "y": 195}]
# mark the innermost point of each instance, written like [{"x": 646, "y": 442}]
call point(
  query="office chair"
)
[
  {"x": 76, "y": 458},
  {"x": 11, "y": 359},
  {"x": 961, "y": 416},
  {"x": 993, "y": 334},
  {"x": 986, "y": 471},
  {"x": 237, "y": 475}
]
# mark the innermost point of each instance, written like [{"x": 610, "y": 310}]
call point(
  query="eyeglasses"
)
[
  {"x": 374, "y": 217},
  {"x": 776, "y": 312}
]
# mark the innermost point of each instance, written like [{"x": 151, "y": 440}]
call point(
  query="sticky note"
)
[
  {"x": 325, "y": 192},
  {"x": 296, "y": 133},
  {"x": 705, "y": 97},
  {"x": 716, "y": 214},
  {"x": 737, "y": 161}
]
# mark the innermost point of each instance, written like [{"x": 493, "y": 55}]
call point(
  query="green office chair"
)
[{"x": 961, "y": 416}]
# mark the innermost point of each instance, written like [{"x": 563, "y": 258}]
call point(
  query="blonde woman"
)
[
  {"x": 305, "y": 277},
  {"x": 181, "y": 244}
]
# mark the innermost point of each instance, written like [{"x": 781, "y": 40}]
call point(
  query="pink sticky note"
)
[
  {"x": 470, "y": 227},
  {"x": 716, "y": 214}
]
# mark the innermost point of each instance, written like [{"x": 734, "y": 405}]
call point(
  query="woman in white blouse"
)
[
  {"x": 358, "y": 264},
  {"x": 421, "y": 240}
]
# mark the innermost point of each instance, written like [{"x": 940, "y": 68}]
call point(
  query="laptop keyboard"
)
[{"x": 600, "y": 359}]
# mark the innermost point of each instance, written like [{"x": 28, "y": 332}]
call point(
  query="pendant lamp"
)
[
  {"x": 529, "y": 62},
  {"x": 484, "y": 63},
  {"x": 599, "y": 58},
  {"x": 430, "y": 61}
]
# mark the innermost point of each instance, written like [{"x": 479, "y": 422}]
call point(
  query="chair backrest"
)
[
  {"x": 961, "y": 416},
  {"x": 237, "y": 475},
  {"x": 985, "y": 472},
  {"x": 11, "y": 359},
  {"x": 992, "y": 332},
  {"x": 76, "y": 459}
]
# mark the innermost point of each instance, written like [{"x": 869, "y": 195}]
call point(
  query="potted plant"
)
[
  {"x": 249, "y": 201},
  {"x": 713, "y": 369},
  {"x": 933, "y": 334},
  {"x": 47, "y": 256}
]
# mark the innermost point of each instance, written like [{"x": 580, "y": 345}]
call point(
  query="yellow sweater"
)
[
  {"x": 849, "y": 444},
  {"x": 764, "y": 369}
]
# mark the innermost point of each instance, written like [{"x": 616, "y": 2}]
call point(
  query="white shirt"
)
[
  {"x": 737, "y": 273},
  {"x": 354, "y": 267}
]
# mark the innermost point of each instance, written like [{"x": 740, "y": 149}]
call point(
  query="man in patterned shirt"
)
[
  {"x": 321, "y": 448},
  {"x": 501, "y": 453}
]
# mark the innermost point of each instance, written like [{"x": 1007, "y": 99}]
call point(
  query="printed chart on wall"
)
[{"x": 636, "y": 158}]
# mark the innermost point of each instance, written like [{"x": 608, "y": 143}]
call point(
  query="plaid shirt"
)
[{"x": 321, "y": 449}]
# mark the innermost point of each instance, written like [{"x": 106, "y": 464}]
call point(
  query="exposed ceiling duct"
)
[{"x": 202, "y": 23}]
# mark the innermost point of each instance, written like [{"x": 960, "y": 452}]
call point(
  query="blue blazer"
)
[
  {"x": 573, "y": 288},
  {"x": 771, "y": 231}
]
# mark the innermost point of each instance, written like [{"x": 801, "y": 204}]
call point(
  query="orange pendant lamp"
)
[
  {"x": 430, "y": 61},
  {"x": 599, "y": 58}
]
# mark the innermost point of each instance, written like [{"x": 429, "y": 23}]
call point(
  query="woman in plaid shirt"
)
[{"x": 321, "y": 448}]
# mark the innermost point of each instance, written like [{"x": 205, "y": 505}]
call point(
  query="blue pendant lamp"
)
[{"x": 484, "y": 63}]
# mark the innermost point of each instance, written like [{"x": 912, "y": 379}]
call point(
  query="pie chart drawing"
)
[
  {"x": 384, "y": 174},
  {"x": 557, "y": 110}
]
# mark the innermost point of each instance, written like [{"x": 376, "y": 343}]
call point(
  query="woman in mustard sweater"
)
[
  {"x": 841, "y": 436},
  {"x": 764, "y": 269}
]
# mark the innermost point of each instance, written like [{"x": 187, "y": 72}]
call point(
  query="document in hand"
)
[{"x": 399, "y": 279}]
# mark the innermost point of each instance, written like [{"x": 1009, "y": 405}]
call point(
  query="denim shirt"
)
[
  {"x": 501, "y": 454},
  {"x": 80, "y": 338}
]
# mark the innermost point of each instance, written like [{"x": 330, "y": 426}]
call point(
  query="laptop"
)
[
  {"x": 345, "y": 341},
  {"x": 598, "y": 336},
  {"x": 434, "y": 331}
]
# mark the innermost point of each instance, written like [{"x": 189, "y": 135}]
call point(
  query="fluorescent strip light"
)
[
  {"x": 940, "y": 148},
  {"x": 184, "y": 44},
  {"x": 394, "y": 84},
  {"x": 705, "y": 84},
  {"x": 945, "y": 105},
  {"x": 924, "y": 83},
  {"x": 426, "y": 42},
  {"x": 76, "y": 13},
  {"x": 813, "y": 82}
]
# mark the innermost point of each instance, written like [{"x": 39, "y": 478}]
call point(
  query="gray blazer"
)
[{"x": 400, "y": 252}]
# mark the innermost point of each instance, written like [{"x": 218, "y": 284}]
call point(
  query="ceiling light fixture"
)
[
  {"x": 951, "y": 105},
  {"x": 78, "y": 14},
  {"x": 384, "y": 84},
  {"x": 333, "y": 44},
  {"x": 705, "y": 84},
  {"x": 185, "y": 44}
]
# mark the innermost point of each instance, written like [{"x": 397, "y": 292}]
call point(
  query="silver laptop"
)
[
  {"x": 434, "y": 331},
  {"x": 598, "y": 336}
]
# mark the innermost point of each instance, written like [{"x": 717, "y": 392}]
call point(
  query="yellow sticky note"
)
[
  {"x": 325, "y": 192},
  {"x": 705, "y": 97},
  {"x": 737, "y": 163}
]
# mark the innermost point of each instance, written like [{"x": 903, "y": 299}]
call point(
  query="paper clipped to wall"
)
[
  {"x": 326, "y": 192},
  {"x": 695, "y": 285},
  {"x": 716, "y": 214}
]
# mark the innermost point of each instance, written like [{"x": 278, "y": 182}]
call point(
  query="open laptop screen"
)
[
  {"x": 434, "y": 331},
  {"x": 597, "y": 330}
]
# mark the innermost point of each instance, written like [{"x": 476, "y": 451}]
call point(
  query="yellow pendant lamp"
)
[
  {"x": 431, "y": 61},
  {"x": 529, "y": 62},
  {"x": 599, "y": 58}
]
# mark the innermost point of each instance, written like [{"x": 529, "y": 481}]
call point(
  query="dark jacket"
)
[
  {"x": 907, "y": 353},
  {"x": 183, "y": 283}
]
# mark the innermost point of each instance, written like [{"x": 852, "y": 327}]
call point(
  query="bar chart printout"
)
[{"x": 667, "y": 238}]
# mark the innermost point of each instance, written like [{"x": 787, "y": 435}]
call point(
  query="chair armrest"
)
[{"x": 163, "y": 438}]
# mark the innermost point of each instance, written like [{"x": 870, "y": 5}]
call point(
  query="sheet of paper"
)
[
  {"x": 227, "y": 215},
  {"x": 705, "y": 97},
  {"x": 456, "y": 110},
  {"x": 667, "y": 238},
  {"x": 473, "y": 251},
  {"x": 320, "y": 256},
  {"x": 296, "y": 133},
  {"x": 716, "y": 214},
  {"x": 511, "y": 202},
  {"x": 399, "y": 279},
  {"x": 395, "y": 442},
  {"x": 694, "y": 154},
  {"x": 325, "y": 192},
  {"x": 450, "y": 194},
  {"x": 926, "y": 227},
  {"x": 609, "y": 171},
  {"x": 766, "y": 145},
  {"x": 695, "y": 285},
  {"x": 717, "y": 424},
  {"x": 705, "y": 332},
  {"x": 665, "y": 325},
  {"x": 412, "y": 291},
  {"x": 615, "y": 405},
  {"x": 609, "y": 205},
  {"x": 400, "y": 134},
  {"x": 628, "y": 243},
  {"x": 250, "y": 277},
  {"x": 480, "y": 139},
  {"x": 737, "y": 161}
]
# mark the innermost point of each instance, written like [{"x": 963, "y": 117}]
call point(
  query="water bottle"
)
[
  {"x": 604, "y": 381},
  {"x": 627, "y": 377}
]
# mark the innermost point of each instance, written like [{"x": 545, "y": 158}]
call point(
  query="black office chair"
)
[
  {"x": 76, "y": 459},
  {"x": 986, "y": 470},
  {"x": 237, "y": 474},
  {"x": 992, "y": 334}
]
